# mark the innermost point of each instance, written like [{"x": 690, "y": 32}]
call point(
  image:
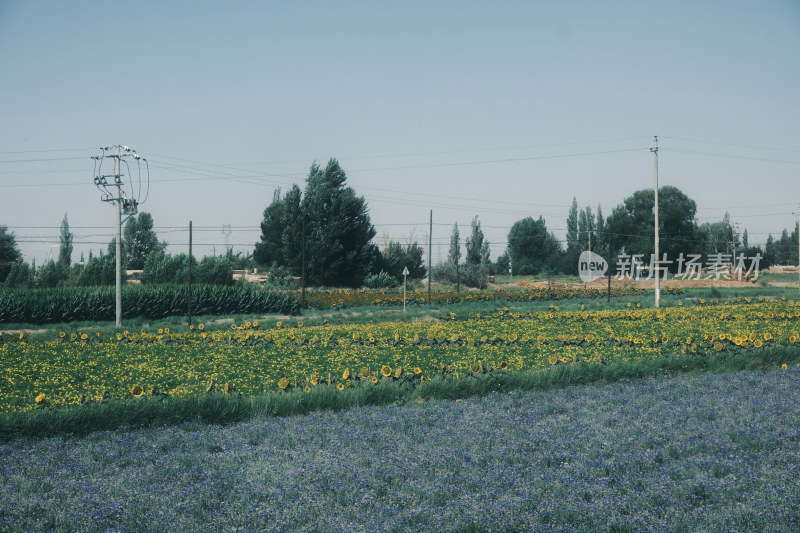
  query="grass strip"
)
[{"x": 220, "y": 408}]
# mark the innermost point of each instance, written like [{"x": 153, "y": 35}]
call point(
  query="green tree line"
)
[{"x": 322, "y": 236}]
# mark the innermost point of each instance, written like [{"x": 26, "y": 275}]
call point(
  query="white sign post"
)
[{"x": 405, "y": 273}]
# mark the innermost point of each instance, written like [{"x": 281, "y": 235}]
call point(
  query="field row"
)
[{"x": 256, "y": 358}]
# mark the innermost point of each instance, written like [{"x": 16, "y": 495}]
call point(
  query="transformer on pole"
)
[{"x": 123, "y": 195}]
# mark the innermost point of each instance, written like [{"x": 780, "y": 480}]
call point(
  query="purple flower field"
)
[{"x": 714, "y": 452}]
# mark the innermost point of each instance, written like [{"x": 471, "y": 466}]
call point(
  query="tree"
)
[
  {"x": 139, "y": 240},
  {"x": 531, "y": 248},
  {"x": 396, "y": 257},
  {"x": 631, "y": 224},
  {"x": 323, "y": 232},
  {"x": 338, "y": 229},
  {"x": 718, "y": 237},
  {"x": 454, "y": 256},
  {"x": 20, "y": 276},
  {"x": 600, "y": 242},
  {"x": 9, "y": 253},
  {"x": 585, "y": 229},
  {"x": 474, "y": 244},
  {"x": 270, "y": 248},
  {"x": 294, "y": 228},
  {"x": 98, "y": 271},
  {"x": 52, "y": 274},
  {"x": 66, "y": 237},
  {"x": 570, "y": 262}
]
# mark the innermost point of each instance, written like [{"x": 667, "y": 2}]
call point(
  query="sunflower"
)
[
  {"x": 565, "y": 359},
  {"x": 300, "y": 324},
  {"x": 201, "y": 327},
  {"x": 767, "y": 336},
  {"x": 166, "y": 330},
  {"x": 374, "y": 379},
  {"x": 346, "y": 373},
  {"x": 283, "y": 383},
  {"x": 119, "y": 336},
  {"x": 784, "y": 367},
  {"x": 84, "y": 336},
  {"x": 793, "y": 339},
  {"x": 398, "y": 372},
  {"x": 161, "y": 331},
  {"x": 307, "y": 389},
  {"x": 386, "y": 371},
  {"x": 279, "y": 323},
  {"x": 718, "y": 346},
  {"x": 62, "y": 335},
  {"x": 553, "y": 359},
  {"x": 512, "y": 337},
  {"x": 503, "y": 366},
  {"x": 42, "y": 398},
  {"x": 477, "y": 367},
  {"x": 137, "y": 391},
  {"x": 758, "y": 343},
  {"x": 340, "y": 386},
  {"x": 540, "y": 339},
  {"x": 417, "y": 370}
]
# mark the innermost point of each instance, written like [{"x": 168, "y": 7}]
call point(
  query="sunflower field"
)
[{"x": 253, "y": 358}]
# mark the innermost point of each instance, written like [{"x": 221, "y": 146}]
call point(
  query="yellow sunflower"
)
[{"x": 386, "y": 371}]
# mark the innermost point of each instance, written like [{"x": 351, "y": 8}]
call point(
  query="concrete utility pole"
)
[
  {"x": 125, "y": 206},
  {"x": 654, "y": 149}
]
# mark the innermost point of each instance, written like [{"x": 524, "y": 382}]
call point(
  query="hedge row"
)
[{"x": 46, "y": 306}]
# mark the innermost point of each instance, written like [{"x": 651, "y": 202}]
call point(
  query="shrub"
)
[{"x": 380, "y": 280}]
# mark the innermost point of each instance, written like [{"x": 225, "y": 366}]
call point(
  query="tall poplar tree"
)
[
  {"x": 454, "y": 256},
  {"x": 66, "y": 237}
]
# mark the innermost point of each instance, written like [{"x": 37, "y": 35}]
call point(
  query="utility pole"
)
[
  {"x": 124, "y": 205},
  {"x": 430, "y": 268},
  {"x": 189, "y": 307},
  {"x": 654, "y": 149}
]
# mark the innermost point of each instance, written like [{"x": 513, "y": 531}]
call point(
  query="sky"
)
[{"x": 500, "y": 110}]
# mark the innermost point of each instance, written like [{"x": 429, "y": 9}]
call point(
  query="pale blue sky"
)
[{"x": 496, "y": 109}]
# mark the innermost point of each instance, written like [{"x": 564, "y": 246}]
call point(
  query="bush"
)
[
  {"x": 380, "y": 280},
  {"x": 279, "y": 277},
  {"x": 213, "y": 271},
  {"x": 465, "y": 275}
]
